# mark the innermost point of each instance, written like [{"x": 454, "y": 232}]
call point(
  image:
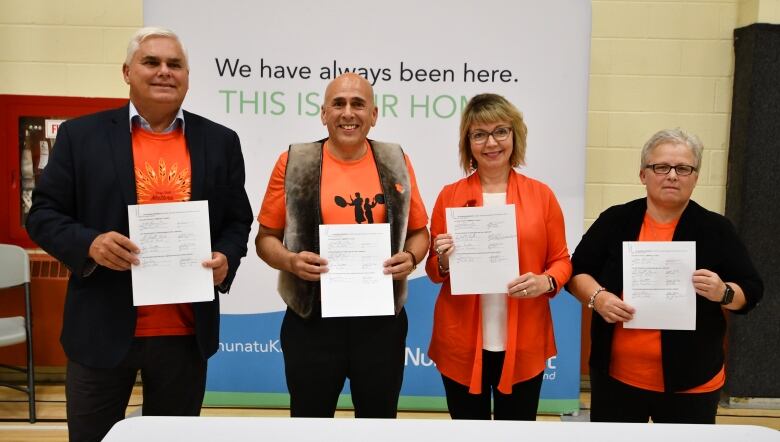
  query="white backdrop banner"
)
[{"x": 261, "y": 68}]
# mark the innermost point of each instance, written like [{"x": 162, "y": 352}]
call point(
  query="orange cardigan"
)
[{"x": 456, "y": 342}]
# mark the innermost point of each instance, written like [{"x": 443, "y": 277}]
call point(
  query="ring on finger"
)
[{"x": 525, "y": 292}]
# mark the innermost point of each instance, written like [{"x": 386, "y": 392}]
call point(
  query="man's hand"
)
[
  {"x": 399, "y": 265},
  {"x": 305, "y": 265},
  {"x": 219, "y": 264},
  {"x": 402, "y": 264},
  {"x": 115, "y": 251},
  {"x": 308, "y": 265}
]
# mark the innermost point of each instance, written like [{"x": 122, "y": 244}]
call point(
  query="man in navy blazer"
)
[{"x": 148, "y": 151}]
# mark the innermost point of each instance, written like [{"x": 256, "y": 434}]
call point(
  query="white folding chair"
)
[{"x": 14, "y": 272}]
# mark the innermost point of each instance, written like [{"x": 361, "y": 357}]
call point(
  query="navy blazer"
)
[{"x": 85, "y": 190}]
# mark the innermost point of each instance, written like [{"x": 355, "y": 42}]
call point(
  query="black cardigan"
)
[{"x": 689, "y": 357}]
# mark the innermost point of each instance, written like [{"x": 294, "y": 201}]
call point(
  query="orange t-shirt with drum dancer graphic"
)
[
  {"x": 350, "y": 193},
  {"x": 162, "y": 175}
]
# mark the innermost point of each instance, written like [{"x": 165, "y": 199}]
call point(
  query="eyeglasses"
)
[
  {"x": 498, "y": 134},
  {"x": 664, "y": 169}
]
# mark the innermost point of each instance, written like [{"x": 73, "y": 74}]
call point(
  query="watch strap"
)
[{"x": 728, "y": 295}]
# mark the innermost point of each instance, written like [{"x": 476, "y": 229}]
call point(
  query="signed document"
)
[
  {"x": 657, "y": 281},
  {"x": 174, "y": 239},
  {"x": 485, "y": 257},
  {"x": 355, "y": 284}
]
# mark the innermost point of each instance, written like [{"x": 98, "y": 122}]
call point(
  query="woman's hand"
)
[
  {"x": 612, "y": 308},
  {"x": 708, "y": 284},
  {"x": 443, "y": 246},
  {"x": 528, "y": 285}
]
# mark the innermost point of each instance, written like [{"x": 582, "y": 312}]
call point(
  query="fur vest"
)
[{"x": 303, "y": 215}]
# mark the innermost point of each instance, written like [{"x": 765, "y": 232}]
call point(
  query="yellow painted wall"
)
[
  {"x": 66, "y": 47},
  {"x": 657, "y": 64},
  {"x": 654, "y": 64},
  {"x": 758, "y": 11}
]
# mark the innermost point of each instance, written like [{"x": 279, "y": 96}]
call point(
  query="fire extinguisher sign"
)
[{"x": 51, "y": 127}]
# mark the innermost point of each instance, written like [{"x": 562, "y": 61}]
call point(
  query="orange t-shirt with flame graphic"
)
[{"x": 162, "y": 175}]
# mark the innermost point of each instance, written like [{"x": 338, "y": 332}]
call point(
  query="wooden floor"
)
[{"x": 52, "y": 425}]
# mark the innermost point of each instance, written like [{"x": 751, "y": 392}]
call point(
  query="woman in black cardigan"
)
[{"x": 672, "y": 376}]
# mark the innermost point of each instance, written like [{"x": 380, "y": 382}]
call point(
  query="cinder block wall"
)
[
  {"x": 654, "y": 64},
  {"x": 659, "y": 64},
  {"x": 66, "y": 47}
]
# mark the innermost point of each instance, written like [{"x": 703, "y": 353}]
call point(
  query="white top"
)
[{"x": 493, "y": 305}]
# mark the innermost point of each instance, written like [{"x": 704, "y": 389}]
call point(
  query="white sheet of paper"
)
[
  {"x": 355, "y": 284},
  {"x": 174, "y": 239},
  {"x": 485, "y": 257},
  {"x": 657, "y": 282}
]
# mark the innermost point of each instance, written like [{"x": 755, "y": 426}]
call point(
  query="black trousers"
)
[
  {"x": 614, "y": 401},
  {"x": 174, "y": 382},
  {"x": 520, "y": 405},
  {"x": 321, "y": 353}
]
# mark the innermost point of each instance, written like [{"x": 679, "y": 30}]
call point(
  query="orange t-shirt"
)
[
  {"x": 162, "y": 175},
  {"x": 350, "y": 193},
  {"x": 636, "y": 353}
]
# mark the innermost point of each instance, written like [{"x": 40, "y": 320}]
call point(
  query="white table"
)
[{"x": 196, "y": 429}]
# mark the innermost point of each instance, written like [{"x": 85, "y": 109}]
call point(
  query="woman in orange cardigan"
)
[{"x": 497, "y": 343}]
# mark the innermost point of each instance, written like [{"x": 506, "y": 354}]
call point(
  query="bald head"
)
[
  {"x": 349, "y": 80},
  {"x": 349, "y": 113}
]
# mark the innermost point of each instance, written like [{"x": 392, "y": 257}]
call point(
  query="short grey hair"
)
[
  {"x": 151, "y": 32},
  {"x": 673, "y": 136}
]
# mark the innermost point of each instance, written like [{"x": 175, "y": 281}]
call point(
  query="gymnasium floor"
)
[{"x": 52, "y": 427}]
